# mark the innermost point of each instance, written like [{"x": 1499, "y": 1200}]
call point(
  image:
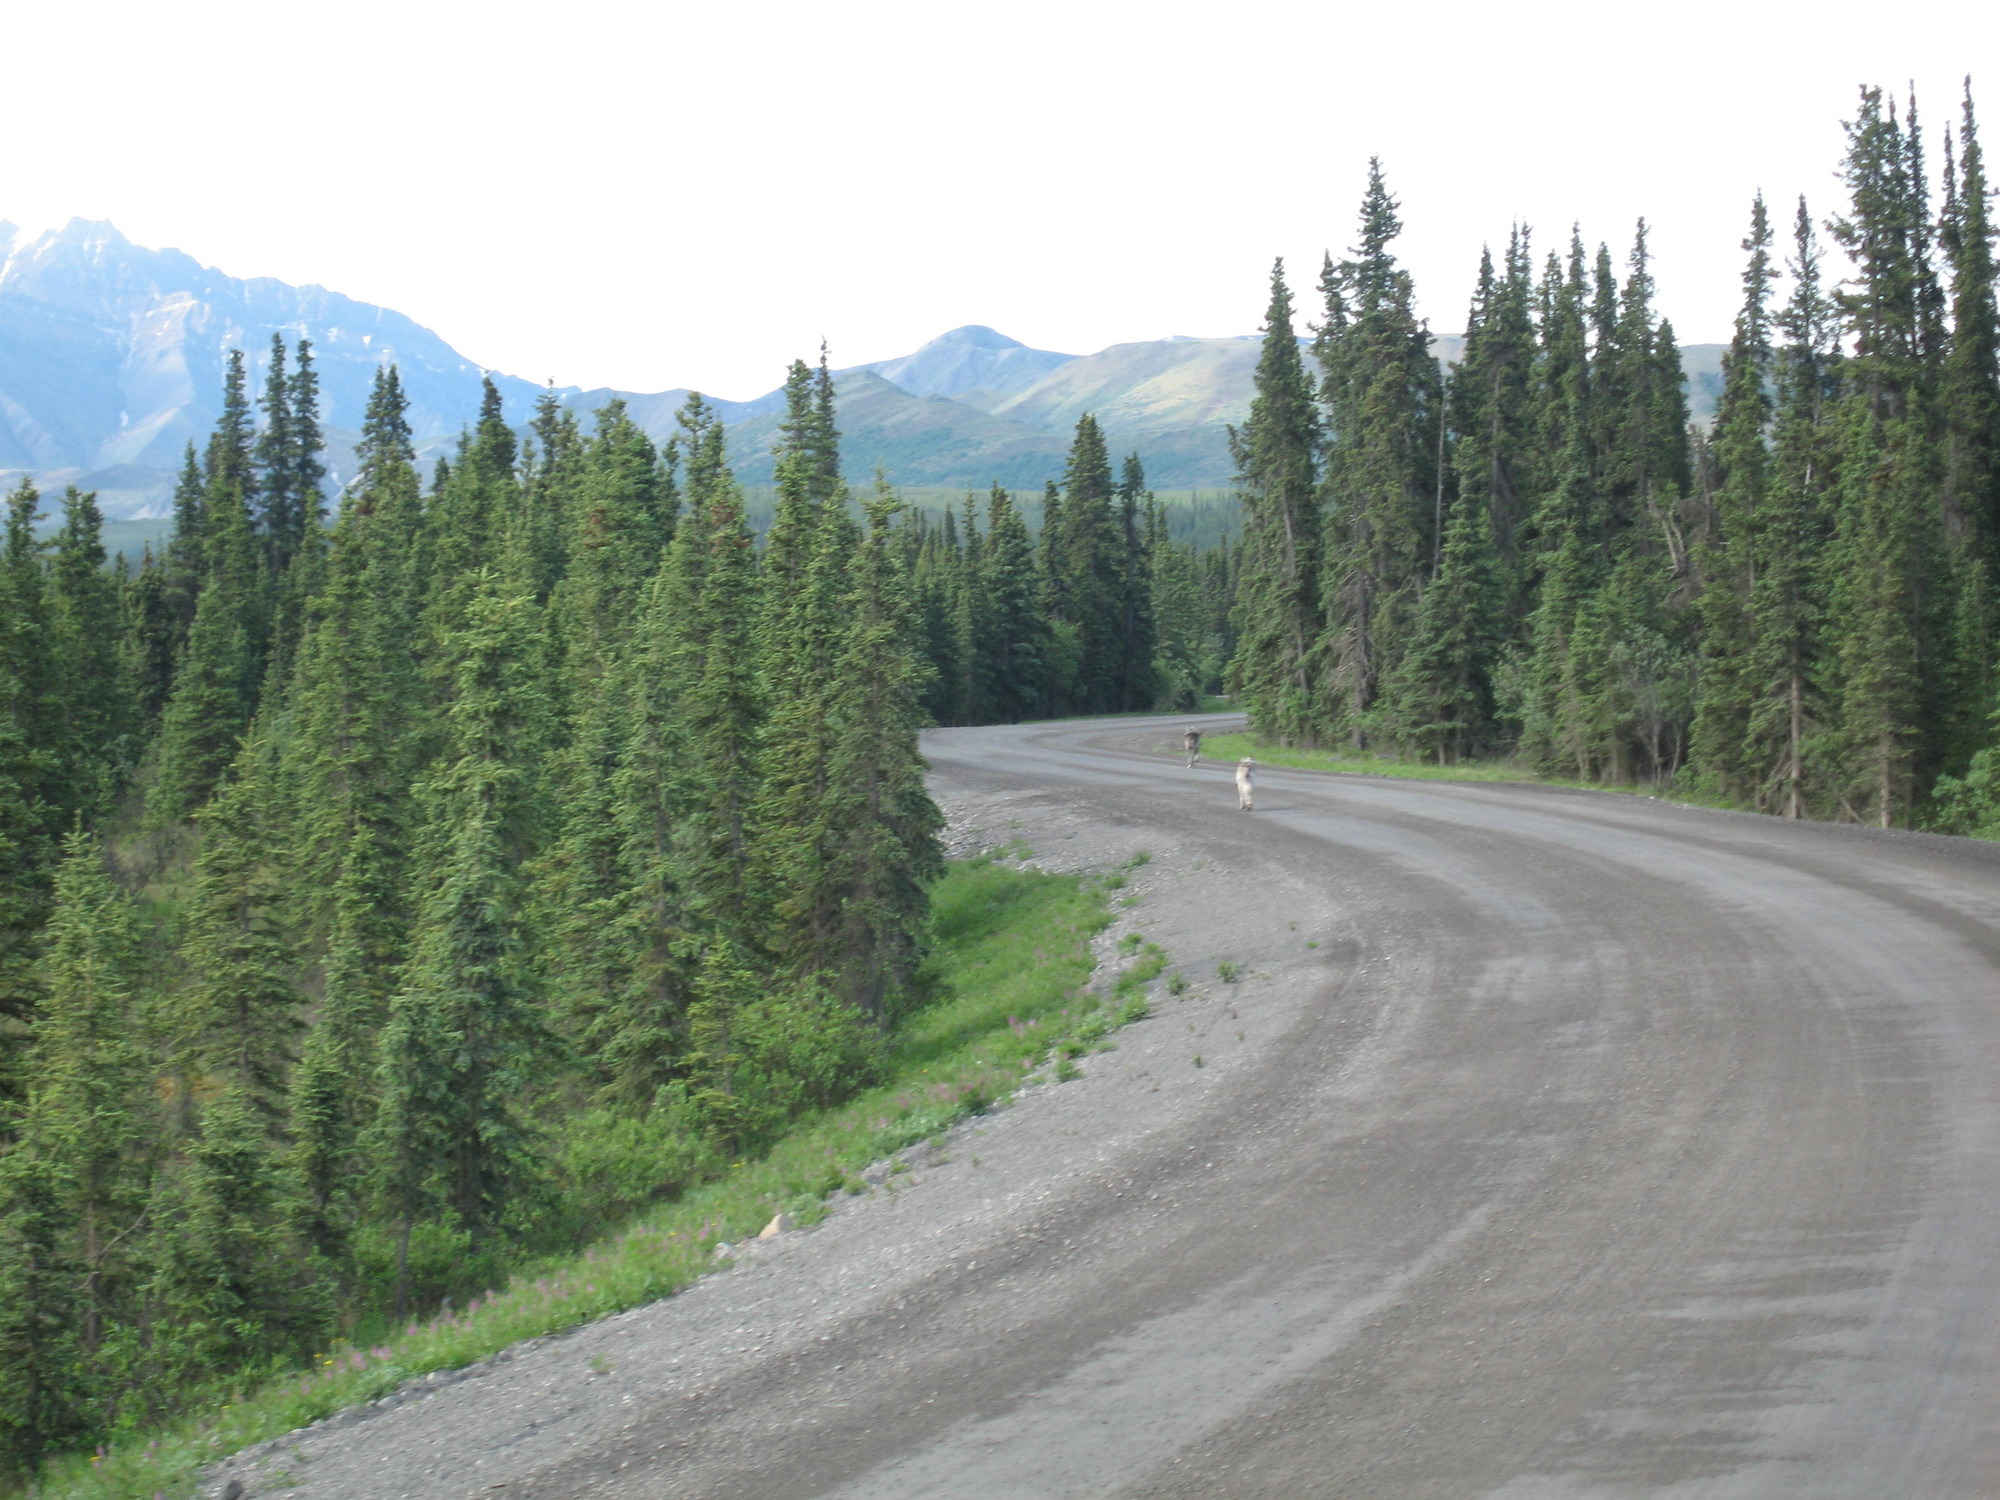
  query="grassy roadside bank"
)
[
  {"x": 1235, "y": 746},
  {"x": 1012, "y": 963}
]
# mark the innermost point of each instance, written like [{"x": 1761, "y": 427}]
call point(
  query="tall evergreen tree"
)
[
  {"x": 277, "y": 514},
  {"x": 1888, "y": 584},
  {"x": 1016, "y": 638},
  {"x": 185, "y": 563},
  {"x": 970, "y": 624},
  {"x": 1969, "y": 377},
  {"x": 238, "y": 1021},
  {"x": 1492, "y": 409},
  {"x": 359, "y": 743},
  {"x": 1135, "y": 688},
  {"x": 87, "y": 1105},
  {"x": 215, "y": 691},
  {"x": 450, "y": 1135},
  {"x": 1441, "y": 700},
  {"x": 805, "y": 602},
  {"x": 888, "y": 825},
  {"x": 86, "y": 613},
  {"x": 218, "y": 685},
  {"x": 291, "y": 507},
  {"x": 224, "y": 1290},
  {"x": 1381, "y": 392},
  {"x": 1278, "y": 601},
  {"x": 1085, "y": 559},
  {"x": 45, "y": 1388},
  {"x": 471, "y": 505},
  {"x": 1786, "y": 598},
  {"x": 152, "y": 644},
  {"x": 712, "y": 594},
  {"x": 1733, "y": 549},
  {"x": 31, "y": 772}
]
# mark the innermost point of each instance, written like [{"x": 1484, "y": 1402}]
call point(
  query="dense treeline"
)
[
  {"x": 1536, "y": 553},
  {"x": 1102, "y": 612},
  {"x": 383, "y": 900}
]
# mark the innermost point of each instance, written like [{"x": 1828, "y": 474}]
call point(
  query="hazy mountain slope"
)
[
  {"x": 655, "y": 411},
  {"x": 1164, "y": 385},
  {"x": 966, "y": 360},
  {"x": 920, "y": 440},
  {"x": 112, "y": 354}
]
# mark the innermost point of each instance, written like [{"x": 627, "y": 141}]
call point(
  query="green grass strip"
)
[
  {"x": 1236, "y": 746},
  {"x": 1012, "y": 961}
]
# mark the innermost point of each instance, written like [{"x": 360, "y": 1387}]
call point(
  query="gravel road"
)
[{"x": 1549, "y": 1145}]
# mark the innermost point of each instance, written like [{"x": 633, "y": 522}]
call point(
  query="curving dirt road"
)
[{"x": 1550, "y": 1145}]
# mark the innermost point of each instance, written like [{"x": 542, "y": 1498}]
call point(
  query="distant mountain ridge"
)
[
  {"x": 112, "y": 355},
  {"x": 972, "y": 359}
]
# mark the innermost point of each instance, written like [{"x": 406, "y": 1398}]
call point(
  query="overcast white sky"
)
[{"x": 653, "y": 195}]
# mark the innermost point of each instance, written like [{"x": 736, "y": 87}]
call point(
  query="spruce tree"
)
[
  {"x": 88, "y": 1104},
  {"x": 361, "y": 739},
  {"x": 551, "y": 476},
  {"x": 227, "y": 459},
  {"x": 887, "y": 824},
  {"x": 153, "y": 643},
  {"x": 185, "y": 563},
  {"x": 1969, "y": 375},
  {"x": 1016, "y": 638},
  {"x": 1085, "y": 556},
  {"x": 356, "y": 698},
  {"x": 291, "y": 505},
  {"x": 32, "y": 791},
  {"x": 44, "y": 1382},
  {"x": 87, "y": 620},
  {"x": 472, "y": 504},
  {"x": 1492, "y": 411},
  {"x": 1722, "y": 746},
  {"x": 1786, "y": 596},
  {"x": 1440, "y": 696},
  {"x": 277, "y": 514},
  {"x": 806, "y": 610},
  {"x": 1381, "y": 392},
  {"x": 1185, "y": 660},
  {"x": 35, "y": 675},
  {"x": 219, "y": 684},
  {"x": 1278, "y": 599},
  {"x": 224, "y": 1290},
  {"x": 627, "y": 1011},
  {"x": 1560, "y": 680},
  {"x": 214, "y": 692},
  {"x": 1889, "y": 609},
  {"x": 801, "y": 496},
  {"x": 1561, "y": 386},
  {"x": 711, "y": 591},
  {"x": 617, "y": 535},
  {"x": 451, "y": 1135},
  {"x": 237, "y": 1022},
  {"x": 971, "y": 623},
  {"x": 1135, "y": 688},
  {"x": 621, "y": 517}
]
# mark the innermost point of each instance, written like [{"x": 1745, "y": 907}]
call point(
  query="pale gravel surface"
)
[{"x": 1596, "y": 1148}]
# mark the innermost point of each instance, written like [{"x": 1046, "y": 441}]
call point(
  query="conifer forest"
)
[{"x": 397, "y": 882}]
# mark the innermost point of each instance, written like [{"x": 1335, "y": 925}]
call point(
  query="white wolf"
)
[{"x": 1245, "y": 781}]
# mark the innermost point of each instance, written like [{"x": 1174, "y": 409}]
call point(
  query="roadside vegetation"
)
[
  {"x": 1233, "y": 747},
  {"x": 1533, "y": 555},
  {"x": 1009, "y": 994}
]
